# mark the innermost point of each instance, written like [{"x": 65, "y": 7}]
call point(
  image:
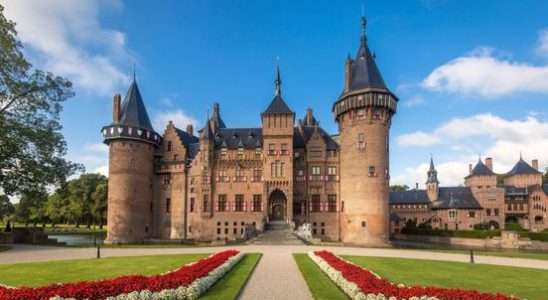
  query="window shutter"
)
[{"x": 217, "y": 179}]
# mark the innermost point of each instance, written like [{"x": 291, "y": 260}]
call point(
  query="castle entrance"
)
[{"x": 277, "y": 206}]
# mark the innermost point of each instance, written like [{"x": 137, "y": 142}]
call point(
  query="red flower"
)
[
  {"x": 371, "y": 284},
  {"x": 184, "y": 276}
]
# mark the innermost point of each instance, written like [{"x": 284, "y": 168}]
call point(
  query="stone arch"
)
[
  {"x": 277, "y": 206},
  {"x": 493, "y": 225}
]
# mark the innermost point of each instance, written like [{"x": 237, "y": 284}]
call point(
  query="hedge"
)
[{"x": 474, "y": 234}]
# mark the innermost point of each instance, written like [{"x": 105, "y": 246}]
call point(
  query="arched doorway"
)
[
  {"x": 493, "y": 225},
  {"x": 277, "y": 206}
]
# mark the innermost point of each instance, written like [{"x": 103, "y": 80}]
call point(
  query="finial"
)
[
  {"x": 520, "y": 155},
  {"x": 364, "y": 22},
  {"x": 278, "y": 81},
  {"x": 133, "y": 72}
]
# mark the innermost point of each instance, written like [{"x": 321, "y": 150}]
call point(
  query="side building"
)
[{"x": 520, "y": 198}]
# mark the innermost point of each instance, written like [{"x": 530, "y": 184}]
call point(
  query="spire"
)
[
  {"x": 432, "y": 173},
  {"x": 207, "y": 128},
  {"x": 133, "y": 72},
  {"x": 278, "y": 81},
  {"x": 432, "y": 168},
  {"x": 364, "y": 24}
]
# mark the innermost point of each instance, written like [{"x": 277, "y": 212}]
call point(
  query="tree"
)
[
  {"x": 31, "y": 144},
  {"x": 81, "y": 197},
  {"x": 6, "y": 208},
  {"x": 500, "y": 178},
  {"x": 31, "y": 207},
  {"x": 99, "y": 209},
  {"x": 399, "y": 187},
  {"x": 56, "y": 207}
]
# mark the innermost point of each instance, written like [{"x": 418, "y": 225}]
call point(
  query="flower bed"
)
[
  {"x": 187, "y": 282},
  {"x": 359, "y": 283}
]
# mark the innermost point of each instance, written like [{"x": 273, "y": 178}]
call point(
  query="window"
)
[
  {"x": 192, "y": 204},
  {"x": 205, "y": 156},
  {"x": 205, "y": 177},
  {"x": 316, "y": 152},
  {"x": 222, "y": 176},
  {"x": 360, "y": 144},
  {"x": 284, "y": 150},
  {"x": 300, "y": 175},
  {"x": 332, "y": 203},
  {"x": 257, "y": 175},
  {"x": 222, "y": 204},
  {"x": 316, "y": 174},
  {"x": 240, "y": 152},
  {"x": 257, "y": 203},
  {"x": 271, "y": 149},
  {"x": 297, "y": 154},
  {"x": 167, "y": 179},
  {"x": 377, "y": 113},
  {"x": 239, "y": 204},
  {"x": 488, "y": 212},
  {"x": 372, "y": 172},
  {"x": 176, "y": 157},
  {"x": 205, "y": 203},
  {"x": 472, "y": 214},
  {"x": 316, "y": 204},
  {"x": 277, "y": 169},
  {"x": 360, "y": 115},
  {"x": 331, "y": 153},
  {"x": 258, "y": 153},
  {"x": 168, "y": 205},
  {"x": 240, "y": 176},
  {"x": 452, "y": 214},
  {"x": 332, "y": 173},
  {"x": 496, "y": 212},
  {"x": 224, "y": 151},
  {"x": 169, "y": 146}
]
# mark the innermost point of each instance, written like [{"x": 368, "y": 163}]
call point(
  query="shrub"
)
[
  {"x": 481, "y": 226},
  {"x": 513, "y": 226},
  {"x": 474, "y": 234}
]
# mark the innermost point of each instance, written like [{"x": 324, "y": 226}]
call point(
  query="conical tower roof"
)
[
  {"x": 278, "y": 105},
  {"x": 132, "y": 111}
]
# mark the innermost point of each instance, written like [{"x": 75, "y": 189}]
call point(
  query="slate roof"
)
[
  {"x": 408, "y": 197},
  {"x": 364, "y": 72},
  {"x": 510, "y": 190},
  {"x": 186, "y": 138},
  {"x": 233, "y": 138},
  {"x": 278, "y": 106},
  {"x": 132, "y": 111},
  {"x": 193, "y": 150},
  {"x": 456, "y": 197},
  {"x": 545, "y": 188},
  {"x": 522, "y": 167},
  {"x": 299, "y": 141},
  {"x": 481, "y": 170}
]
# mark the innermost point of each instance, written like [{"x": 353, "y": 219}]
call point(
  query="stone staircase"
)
[{"x": 277, "y": 233}]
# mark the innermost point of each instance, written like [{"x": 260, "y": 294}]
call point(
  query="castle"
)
[
  {"x": 521, "y": 198},
  {"x": 211, "y": 185}
]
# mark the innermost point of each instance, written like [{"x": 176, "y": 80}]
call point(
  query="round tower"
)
[
  {"x": 364, "y": 112},
  {"x": 132, "y": 142}
]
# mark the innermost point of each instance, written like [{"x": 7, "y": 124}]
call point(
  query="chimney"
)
[
  {"x": 116, "y": 108},
  {"x": 347, "y": 73},
  {"x": 216, "y": 109},
  {"x": 301, "y": 127},
  {"x": 534, "y": 163},
  {"x": 469, "y": 168},
  {"x": 190, "y": 129},
  {"x": 309, "y": 116},
  {"x": 489, "y": 163},
  {"x": 170, "y": 123},
  {"x": 416, "y": 186}
]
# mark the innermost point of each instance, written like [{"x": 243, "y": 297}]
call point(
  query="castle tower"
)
[
  {"x": 132, "y": 142},
  {"x": 432, "y": 183},
  {"x": 364, "y": 112},
  {"x": 278, "y": 129}
]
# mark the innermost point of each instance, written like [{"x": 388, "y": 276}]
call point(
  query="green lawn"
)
[
  {"x": 4, "y": 248},
  {"x": 230, "y": 285},
  {"x": 42, "y": 273},
  {"x": 523, "y": 282},
  {"x": 528, "y": 255},
  {"x": 321, "y": 287}
]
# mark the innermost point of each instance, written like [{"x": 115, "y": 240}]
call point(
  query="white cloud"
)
[
  {"x": 62, "y": 33},
  {"x": 179, "y": 117},
  {"x": 490, "y": 135},
  {"x": 542, "y": 48},
  {"x": 102, "y": 170},
  {"x": 481, "y": 73},
  {"x": 96, "y": 147},
  {"x": 415, "y": 101}
]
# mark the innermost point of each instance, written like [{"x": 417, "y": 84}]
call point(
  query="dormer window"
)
[
  {"x": 240, "y": 151},
  {"x": 223, "y": 151}
]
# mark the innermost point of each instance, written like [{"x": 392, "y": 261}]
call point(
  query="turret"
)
[
  {"x": 364, "y": 112},
  {"x": 132, "y": 142},
  {"x": 432, "y": 183}
]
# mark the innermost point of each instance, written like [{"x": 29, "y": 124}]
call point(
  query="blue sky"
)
[{"x": 472, "y": 76}]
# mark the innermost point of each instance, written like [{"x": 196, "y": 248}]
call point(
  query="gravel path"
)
[{"x": 275, "y": 277}]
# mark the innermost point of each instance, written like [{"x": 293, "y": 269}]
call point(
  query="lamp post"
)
[{"x": 471, "y": 256}]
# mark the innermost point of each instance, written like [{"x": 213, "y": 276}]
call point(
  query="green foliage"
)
[
  {"x": 545, "y": 177},
  {"x": 6, "y": 208},
  {"x": 513, "y": 226},
  {"x": 539, "y": 236},
  {"x": 398, "y": 187},
  {"x": 500, "y": 178},
  {"x": 474, "y": 234},
  {"x": 31, "y": 144},
  {"x": 481, "y": 226}
]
